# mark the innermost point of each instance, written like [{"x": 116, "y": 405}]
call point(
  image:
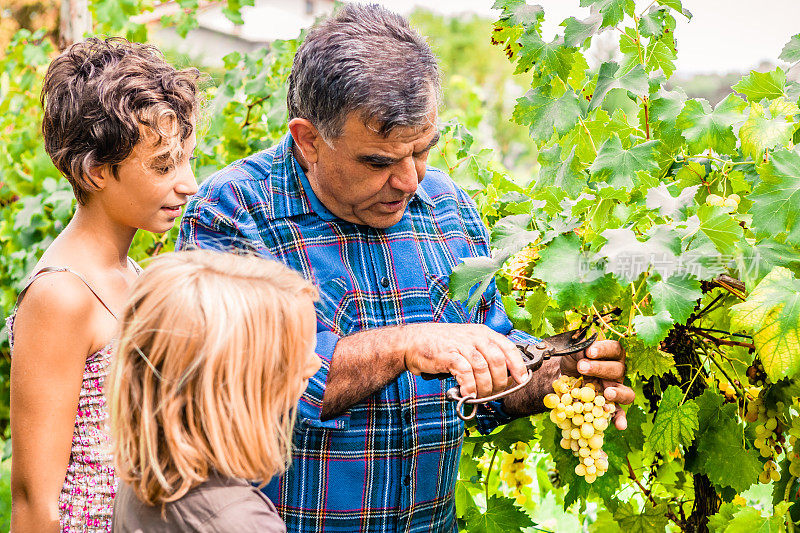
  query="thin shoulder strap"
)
[
  {"x": 135, "y": 266},
  {"x": 50, "y": 270}
]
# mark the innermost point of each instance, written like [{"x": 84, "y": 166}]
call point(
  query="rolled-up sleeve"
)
[{"x": 216, "y": 219}]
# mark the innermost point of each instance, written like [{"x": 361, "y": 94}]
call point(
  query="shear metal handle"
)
[{"x": 454, "y": 394}]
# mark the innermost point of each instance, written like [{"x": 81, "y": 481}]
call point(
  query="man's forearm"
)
[
  {"x": 363, "y": 363},
  {"x": 530, "y": 399}
]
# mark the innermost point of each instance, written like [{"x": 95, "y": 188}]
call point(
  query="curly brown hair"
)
[{"x": 99, "y": 94}]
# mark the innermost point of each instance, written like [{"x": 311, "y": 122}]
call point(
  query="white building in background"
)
[{"x": 216, "y": 36}]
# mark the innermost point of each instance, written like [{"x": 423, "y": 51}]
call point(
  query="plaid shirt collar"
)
[{"x": 291, "y": 192}]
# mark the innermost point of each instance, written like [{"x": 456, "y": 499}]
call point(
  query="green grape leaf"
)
[
  {"x": 652, "y": 24},
  {"x": 719, "y": 521},
  {"x": 675, "y": 424},
  {"x": 661, "y": 56},
  {"x": 587, "y": 135},
  {"x": 653, "y": 329},
  {"x": 791, "y": 51},
  {"x": 577, "y": 31},
  {"x": 677, "y": 295},
  {"x": 505, "y": 437},
  {"x": 766, "y": 128},
  {"x": 546, "y": 115},
  {"x": 565, "y": 174},
  {"x": 754, "y": 261},
  {"x": 501, "y": 516},
  {"x": 772, "y": 313},
  {"x": 776, "y": 199},
  {"x": 720, "y": 228},
  {"x": 677, "y": 6},
  {"x": 667, "y": 105},
  {"x": 759, "y": 85},
  {"x": 628, "y": 257},
  {"x": 619, "y": 167},
  {"x": 646, "y": 361},
  {"x": 511, "y": 233},
  {"x": 611, "y": 76},
  {"x": 571, "y": 279},
  {"x": 720, "y": 452},
  {"x": 670, "y": 206},
  {"x": 649, "y": 519},
  {"x": 553, "y": 55},
  {"x": 749, "y": 520},
  {"x": 613, "y": 11},
  {"x": 704, "y": 128},
  {"x": 475, "y": 271},
  {"x": 519, "y": 13}
]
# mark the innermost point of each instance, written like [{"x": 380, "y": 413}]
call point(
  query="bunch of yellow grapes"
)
[
  {"x": 769, "y": 438},
  {"x": 519, "y": 267},
  {"x": 728, "y": 390},
  {"x": 512, "y": 471},
  {"x": 731, "y": 202},
  {"x": 794, "y": 454},
  {"x": 583, "y": 416}
]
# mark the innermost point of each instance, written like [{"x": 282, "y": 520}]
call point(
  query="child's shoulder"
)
[
  {"x": 233, "y": 504},
  {"x": 218, "y": 504}
]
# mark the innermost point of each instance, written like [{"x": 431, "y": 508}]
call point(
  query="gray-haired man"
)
[{"x": 342, "y": 200}]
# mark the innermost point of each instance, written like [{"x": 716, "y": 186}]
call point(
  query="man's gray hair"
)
[{"x": 368, "y": 60}]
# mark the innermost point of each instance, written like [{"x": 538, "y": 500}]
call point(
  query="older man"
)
[{"x": 347, "y": 200}]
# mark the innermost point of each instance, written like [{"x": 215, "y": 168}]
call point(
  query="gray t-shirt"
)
[{"x": 217, "y": 505}]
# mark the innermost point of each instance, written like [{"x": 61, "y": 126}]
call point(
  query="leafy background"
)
[{"x": 599, "y": 186}]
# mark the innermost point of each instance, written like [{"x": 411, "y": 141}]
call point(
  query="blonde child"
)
[{"x": 215, "y": 350}]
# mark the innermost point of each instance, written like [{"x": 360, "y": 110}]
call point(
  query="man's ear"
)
[{"x": 306, "y": 137}]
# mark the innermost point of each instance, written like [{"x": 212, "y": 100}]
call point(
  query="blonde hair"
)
[{"x": 207, "y": 372}]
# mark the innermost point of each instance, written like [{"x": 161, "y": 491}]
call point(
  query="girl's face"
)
[
  {"x": 311, "y": 361},
  {"x": 150, "y": 186}
]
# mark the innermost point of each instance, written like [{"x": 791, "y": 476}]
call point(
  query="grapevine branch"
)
[
  {"x": 647, "y": 492},
  {"x": 722, "y": 342},
  {"x": 250, "y": 108},
  {"x": 489, "y": 472},
  {"x": 706, "y": 308},
  {"x": 606, "y": 324},
  {"x": 786, "y": 493}
]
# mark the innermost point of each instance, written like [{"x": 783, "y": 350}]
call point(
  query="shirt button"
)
[
  {"x": 384, "y": 282},
  {"x": 407, "y": 480}
]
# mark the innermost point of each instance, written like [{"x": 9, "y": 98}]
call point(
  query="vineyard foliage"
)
[{"x": 669, "y": 223}]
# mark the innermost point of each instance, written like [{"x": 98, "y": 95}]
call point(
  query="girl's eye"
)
[{"x": 164, "y": 170}]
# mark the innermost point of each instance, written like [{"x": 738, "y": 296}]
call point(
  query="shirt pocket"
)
[
  {"x": 444, "y": 308},
  {"x": 336, "y": 307}
]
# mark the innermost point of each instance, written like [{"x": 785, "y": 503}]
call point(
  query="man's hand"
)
[
  {"x": 479, "y": 358},
  {"x": 604, "y": 363}
]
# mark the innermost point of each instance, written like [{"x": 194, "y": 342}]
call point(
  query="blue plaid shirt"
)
[{"x": 390, "y": 462}]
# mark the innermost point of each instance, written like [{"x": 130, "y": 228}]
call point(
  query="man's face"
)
[{"x": 365, "y": 178}]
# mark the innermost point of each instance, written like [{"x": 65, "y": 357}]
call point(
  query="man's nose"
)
[{"x": 407, "y": 176}]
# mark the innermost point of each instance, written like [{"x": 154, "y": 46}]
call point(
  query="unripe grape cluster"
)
[
  {"x": 731, "y": 202},
  {"x": 794, "y": 454},
  {"x": 728, "y": 390},
  {"x": 583, "y": 416},
  {"x": 756, "y": 374},
  {"x": 512, "y": 471},
  {"x": 769, "y": 434}
]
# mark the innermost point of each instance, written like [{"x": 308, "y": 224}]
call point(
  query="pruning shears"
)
[{"x": 533, "y": 355}]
